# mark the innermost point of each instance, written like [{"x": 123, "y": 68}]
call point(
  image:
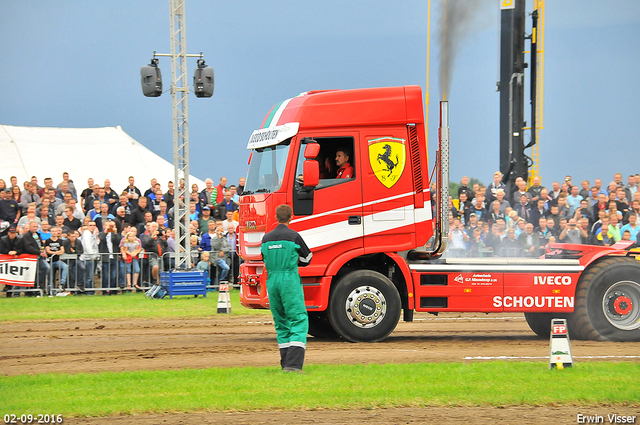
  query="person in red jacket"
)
[
  {"x": 220, "y": 190},
  {"x": 345, "y": 170}
]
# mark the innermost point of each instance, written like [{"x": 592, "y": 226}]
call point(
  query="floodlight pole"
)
[{"x": 179, "y": 96}]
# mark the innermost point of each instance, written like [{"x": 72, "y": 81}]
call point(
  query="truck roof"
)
[{"x": 350, "y": 108}]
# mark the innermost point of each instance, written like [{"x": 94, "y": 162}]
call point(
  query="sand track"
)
[{"x": 222, "y": 341}]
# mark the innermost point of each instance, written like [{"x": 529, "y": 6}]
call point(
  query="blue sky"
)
[{"x": 75, "y": 63}]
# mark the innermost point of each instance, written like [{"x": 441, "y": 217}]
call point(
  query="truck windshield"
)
[{"x": 266, "y": 169}]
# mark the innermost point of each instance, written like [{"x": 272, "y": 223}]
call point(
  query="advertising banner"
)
[{"x": 18, "y": 270}]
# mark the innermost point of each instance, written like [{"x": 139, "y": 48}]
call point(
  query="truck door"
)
[
  {"x": 387, "y": 188},
  {"x": 331, "y": 224}
]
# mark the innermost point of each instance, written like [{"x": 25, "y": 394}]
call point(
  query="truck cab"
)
[{"x": 384, "y": 206}]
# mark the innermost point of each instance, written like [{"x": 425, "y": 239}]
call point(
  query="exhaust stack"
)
[
  {"x": 443, "y": 178},
  {"x": 441, "y": 197}
]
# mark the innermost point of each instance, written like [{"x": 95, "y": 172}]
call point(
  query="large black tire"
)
[
  {"x": 608, "y": 302},
  {"x": 320, "y": 327},
  {"x": 540, "y": 323},
  {"x": 364, "y": 306}
]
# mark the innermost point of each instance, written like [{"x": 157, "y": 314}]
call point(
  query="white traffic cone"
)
[
  {"x": 224, "y": 299},
  {"x": 560, "y": 350}
]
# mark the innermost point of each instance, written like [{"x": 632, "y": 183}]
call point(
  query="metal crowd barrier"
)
[
  {"x": 16, "y": 290},
  {"x": 511, "y": 252},
  {"x": 488, "y": 252},
  {"x": 214, "y": 271},
  {"x": 107, "y": 273},
  {"x": 455, "y": 253}
]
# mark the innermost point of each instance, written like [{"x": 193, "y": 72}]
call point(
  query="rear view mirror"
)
[
  {"x": 311, "y": 172},
  {"x": 312, "y": 150}
]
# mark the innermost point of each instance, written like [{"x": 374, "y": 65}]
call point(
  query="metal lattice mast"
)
[
  {"x": 179, "y": 96},
  {"x": 539, "y": 6},
  {"x": 203, "y": 87}
]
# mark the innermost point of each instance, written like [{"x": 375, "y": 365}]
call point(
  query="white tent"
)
[{"x": 99, "y": 153}]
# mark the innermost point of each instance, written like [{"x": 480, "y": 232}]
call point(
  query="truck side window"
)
[{"x": 328, "y": 160}]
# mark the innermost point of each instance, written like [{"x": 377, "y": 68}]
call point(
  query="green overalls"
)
[{"x": 282, "y": 250}]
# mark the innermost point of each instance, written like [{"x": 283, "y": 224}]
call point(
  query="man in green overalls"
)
[{"x": 282, "y": 251}]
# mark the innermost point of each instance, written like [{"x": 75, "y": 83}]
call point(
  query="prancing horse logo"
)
[
  {"x": 384, "y": 157},
  {"x": 387, "y": 158}
]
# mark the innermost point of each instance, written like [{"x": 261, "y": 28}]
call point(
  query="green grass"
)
[
  {"x": 121, "y": 306},
  {"x": 324, "y": 386}
]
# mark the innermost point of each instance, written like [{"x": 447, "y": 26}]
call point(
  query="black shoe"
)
[
  {"x": 283, "y": 357},
  {"x": 295, "y": 358}
]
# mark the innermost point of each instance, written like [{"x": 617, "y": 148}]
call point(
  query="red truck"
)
[{"x": 368, "y": 232}]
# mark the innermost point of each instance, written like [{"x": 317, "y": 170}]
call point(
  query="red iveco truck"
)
[{"x": 368, "y": 232}]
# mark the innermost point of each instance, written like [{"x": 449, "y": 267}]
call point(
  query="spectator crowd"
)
[
  {"x": 487, "y": 221},
  {"x": 125, "y": 237}
]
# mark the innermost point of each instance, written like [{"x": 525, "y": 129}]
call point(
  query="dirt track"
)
[{"x": 116, "y": 345}]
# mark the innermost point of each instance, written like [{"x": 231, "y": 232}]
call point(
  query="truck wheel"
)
[
  {"x": 319, "y": 325},
  {"x": 364, "y": 306},
  {"x": 540, "y": 323},
  {"x": 608, "y": 301}
]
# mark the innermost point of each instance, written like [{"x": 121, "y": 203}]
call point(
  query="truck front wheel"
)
[
  {"x": 364, "y": 306},
  {"x": 608, "y": 301}
]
